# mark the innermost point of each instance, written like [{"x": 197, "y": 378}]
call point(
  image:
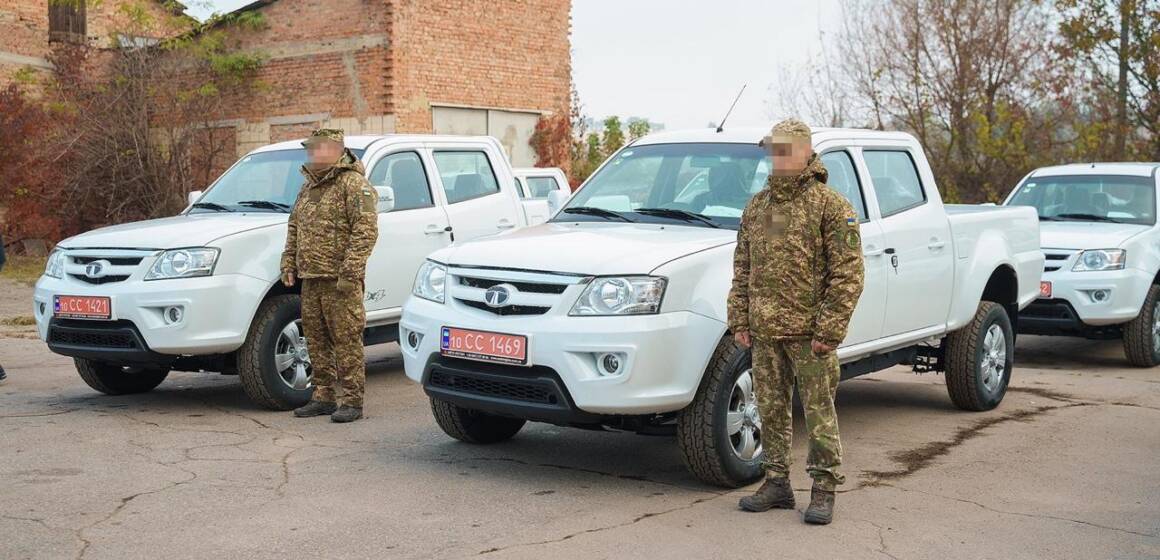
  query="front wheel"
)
[
  {"x": 112, "y": 379},
  {"x": 273, "y": 362},
  {"x": 1142, "y": 334},
  {"x": 473, "y": 426},
  {"x": 720, "y": 431},
  {"x": 979, "y": 359}
]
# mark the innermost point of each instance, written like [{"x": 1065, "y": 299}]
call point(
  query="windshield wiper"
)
[
  {"x": 594, "y": 211},
  {"x": 267, "y": 204},
  {"x": 678, "y": 214},
  {"x": 211, "y": 206},
  {"x": 1093, "y": 217},
  {"x": 1049, "y": 219}
]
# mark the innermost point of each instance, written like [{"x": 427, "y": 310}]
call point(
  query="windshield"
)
[
  {"x": 666, "y": 182},
  {"x": 261, "y": 182},
  {"x": 1122, "y": 199}
]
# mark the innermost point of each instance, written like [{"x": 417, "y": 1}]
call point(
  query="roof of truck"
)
[
  {"x": 364, "y": 141},
  {"x": 1145, "y": 169},
  {"x": 752, "y": 135}
]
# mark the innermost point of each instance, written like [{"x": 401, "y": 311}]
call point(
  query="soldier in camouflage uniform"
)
[
  {"x": 330, "y": 235},
  {"x": 797, "y": 277}
]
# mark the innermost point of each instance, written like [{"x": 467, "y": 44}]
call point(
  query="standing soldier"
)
[
  {"x": 330, "y": 235},
  {"x": 797, "y": 277}
]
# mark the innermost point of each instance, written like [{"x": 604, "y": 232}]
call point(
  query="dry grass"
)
[
  {"x": 21, "y": 321},
  {"x": 25, "y": 270}
]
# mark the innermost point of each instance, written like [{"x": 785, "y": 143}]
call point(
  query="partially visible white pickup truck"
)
[
  {"x": 200, "y": 291},
  {"x": 544, "y": 190},
  {"x": 613, "y": 313},
  {"x": 1102, "y": 243}
]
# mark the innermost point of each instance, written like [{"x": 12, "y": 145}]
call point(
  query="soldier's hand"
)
[
  {"x": 742, "y": 338},
  {"x": 288, "y": 279},
  {"x": 821, "y": 347}
]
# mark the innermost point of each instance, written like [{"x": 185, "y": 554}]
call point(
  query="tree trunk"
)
[{"x": 1122, "y": 129}]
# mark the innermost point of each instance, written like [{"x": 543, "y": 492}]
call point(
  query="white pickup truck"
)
[
  {"x": 613, "y": 313},
  {"x": 1102, "y": 244},
  {"x": 200, "y": 291}
]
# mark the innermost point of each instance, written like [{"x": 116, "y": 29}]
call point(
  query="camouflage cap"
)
[
  {"x": 321, "y": 134},
  {"x": 789, "y": 127}
]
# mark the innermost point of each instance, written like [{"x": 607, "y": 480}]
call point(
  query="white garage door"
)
[{"x": 513, "y": 128}]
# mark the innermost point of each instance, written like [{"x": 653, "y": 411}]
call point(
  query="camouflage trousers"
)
[
  {"x": 333, "y": 323},
  {"x": 777, "y": 366}
]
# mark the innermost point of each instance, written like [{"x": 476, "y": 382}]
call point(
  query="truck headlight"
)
[
  {"x": 1100, "y": 259},
  {"x": 627, "y": 295},
  {"x": 183, "y": 263},
  {"x": 431, "y": 282},
  {"x": 54, "y": 268}
]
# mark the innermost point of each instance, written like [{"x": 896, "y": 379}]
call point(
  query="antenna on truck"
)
[{"x": 721, "y": 126}]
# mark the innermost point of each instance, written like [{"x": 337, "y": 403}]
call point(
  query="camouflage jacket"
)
[
  {"x": 797, "y": 268},
  {"x": 334, "y": 224}
]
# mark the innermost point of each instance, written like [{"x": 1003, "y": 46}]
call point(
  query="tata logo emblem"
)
[
  {"x": 499, "y": 295},
  {"x": 96, "y": 269}
]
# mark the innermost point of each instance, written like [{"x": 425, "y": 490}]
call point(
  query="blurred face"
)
[
  {"x": 323, "y": 153},
  {"x": 789, "y": 154}
]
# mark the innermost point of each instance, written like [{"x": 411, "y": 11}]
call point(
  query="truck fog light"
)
[
  {"x": 413, "y": 340},
  {"x": 610, "y": 363},
  {"x": 174, "y": 314},
  {"x": 1100, "y": 296}
]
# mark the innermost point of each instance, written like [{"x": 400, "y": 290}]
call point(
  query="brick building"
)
[{"x": 371, "y": 66}]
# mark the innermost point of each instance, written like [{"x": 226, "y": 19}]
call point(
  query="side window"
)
[
  {"x": 844, "y": 179},
  {"x": 896, "y": 182},
  {"x": 466, "y": 175},
  {"x": 404, "y": 172},
  {"x": 520, "y": 188},
  {"x": 541, "y": 187}
]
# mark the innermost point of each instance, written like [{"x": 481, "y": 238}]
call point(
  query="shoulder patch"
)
[{"x": 369, "y": 200}]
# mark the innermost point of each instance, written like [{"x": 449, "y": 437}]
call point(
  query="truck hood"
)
[
  {"x": 587, "y": 248},
  {"x": 1086, "y": 235},
  {"x": 186, "y": 230}
]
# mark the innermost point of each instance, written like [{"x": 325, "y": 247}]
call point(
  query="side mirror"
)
[
  {"x": 194, "y": 195},
  {"x": 386, "y": 199},
  {"x": 556, "y": 200}
]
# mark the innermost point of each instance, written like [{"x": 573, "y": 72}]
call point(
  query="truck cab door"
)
[
  {"x": 866, "y": 323},
  {"x": 480, "y": 200},
  {"x": 918, "y": 242},
  {"x": 416, "y": 227}
]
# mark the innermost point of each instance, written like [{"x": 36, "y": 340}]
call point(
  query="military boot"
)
[
  {"x": 346, "y": 414},
  {"x": 774, "y": 493},
  {"x": 821, "y": 510},
  {"x": 315, "y": 408}
]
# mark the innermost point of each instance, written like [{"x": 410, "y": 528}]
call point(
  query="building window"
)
[{"x": 66, "y": 21}]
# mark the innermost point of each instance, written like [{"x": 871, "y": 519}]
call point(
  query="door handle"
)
[
  {"x": 936, "y": 244},
  {"x": 433, "y": 229},
  {"x": 505, "y": 224},
  {"x": 873, "y": 251}
]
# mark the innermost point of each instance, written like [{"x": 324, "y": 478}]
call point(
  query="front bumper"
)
[
  {"x": 1074, "y": 307},
  {"x": 216, "y": 313},
  {"x": 664, "y": 356}
]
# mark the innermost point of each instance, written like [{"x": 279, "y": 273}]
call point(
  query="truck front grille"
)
[
  {"x": 1055, "y": 259},
  {"x": 510, "y": 389},
  {"x": 111, "y": 265},
  {"x": 529, "y": 292},
  {"x": 91, "y": 334}
]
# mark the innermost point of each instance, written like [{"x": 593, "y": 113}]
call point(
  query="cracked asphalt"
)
[{"x": 1064, "y": 468}]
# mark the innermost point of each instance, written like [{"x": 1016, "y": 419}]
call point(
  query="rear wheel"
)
[
  {"x": 979, "y": 359},
  {"x": 274, "y": 363},
  {"x": 473, "y": 426},
  {"x": 1142, "y": 334},
  {"x": 112, "y": 379},
  {"x": 720, "y": 431}
]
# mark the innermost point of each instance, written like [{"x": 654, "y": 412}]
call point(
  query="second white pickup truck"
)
[
  {"x": 200, "y": 291},
  {"x": 613, "y": 313}
]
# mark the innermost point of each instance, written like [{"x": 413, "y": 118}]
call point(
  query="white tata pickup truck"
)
[
  {"x": 612, "y": 315},
  {"x": 200, "y": 291},
  {"x": 1099, "y": 234}
]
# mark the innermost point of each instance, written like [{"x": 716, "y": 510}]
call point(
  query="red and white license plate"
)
[
  {"x": 484, "y": 346},
  {"x": 81, "y": 307},
  {"x": 1045, "y": 289}
]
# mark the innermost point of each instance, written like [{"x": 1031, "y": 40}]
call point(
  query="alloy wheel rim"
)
[
  {"x": 1156, "y": 328},
  {"x": 292, "y": 357},
  {"x": 994, "y": 363},
  {"x": 742, "y": 421}
]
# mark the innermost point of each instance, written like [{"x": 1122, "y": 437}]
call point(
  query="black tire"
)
[
  {"x": 968, "y": 384},
  {"x": 260, "y": 378},
  {"x": 1139, "y": 345},
  {"x": 473, "y": 426},
  {"x": 701, "y": 427},
  {"x": 112, "y": 379}
]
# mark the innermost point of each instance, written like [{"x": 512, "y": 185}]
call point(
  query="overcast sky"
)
[{"x": 678, "y": 62}]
